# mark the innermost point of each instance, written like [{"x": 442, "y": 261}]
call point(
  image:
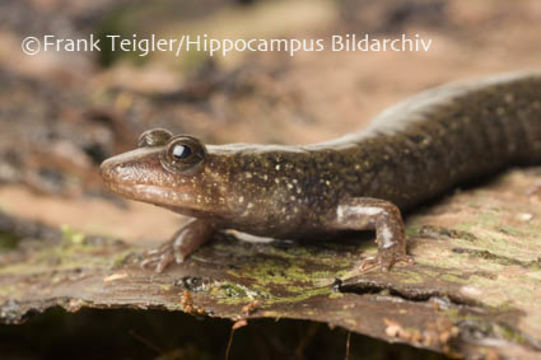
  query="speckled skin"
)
[{"x": 411, "y": 153}]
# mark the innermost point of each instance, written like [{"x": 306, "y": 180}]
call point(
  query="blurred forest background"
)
[{"x": 61, "y": 114}]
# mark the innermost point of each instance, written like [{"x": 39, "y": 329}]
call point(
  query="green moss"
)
[
  {"x": 509, "y": 333},
  {"x": 439, "y": 232},
  {"x": 302, "y": 296},
  {"x": 7, "y": 290},
  {"x": 71, "y": 236},
  {"x": 456, "y": 316},
  {"x": 489, "y": 256},
  {"x": 474, "y": 204},
  {"x": 501, "y": 244},
  {"x": 173, "y": 307},
  {"x": 412, "y": 230},
  {"x": 233, "y": 293},
  {"x": 496, "y": 329},
  {"x": 319, "y": 256},
  {"x": 8, "y": 241},
  {"x": 65, "y": 256},
  {"x": 454, "y": 278},
  {"x": 409, "y": 276},
  {"x": 121, "y": 259},
  {"x": 487, "y": 218},
  {"x": 272, "y": 283},
  {"x": 513, "y": 231},
  {"x": 336, "y": 295},
  {"x": 528, "y": 229},
  {"x": 453, "y": 314},
  {"x": 267, "y": 272}
]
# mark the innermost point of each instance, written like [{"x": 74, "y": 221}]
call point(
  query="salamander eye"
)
[
  {"x": 180, "y": 152},
  {"x": 154, "y": 137},
  {"x": 183, "y": 153}
]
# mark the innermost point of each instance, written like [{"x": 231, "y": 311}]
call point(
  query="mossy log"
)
[{"x": 474, "y": 290}]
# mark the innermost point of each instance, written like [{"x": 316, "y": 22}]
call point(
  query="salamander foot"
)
[
  {"x": 188, "y": 239},
  {"x": 385, "y": 262}
]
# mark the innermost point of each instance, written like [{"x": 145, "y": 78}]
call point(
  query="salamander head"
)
[{"x": 175, "y": 172}]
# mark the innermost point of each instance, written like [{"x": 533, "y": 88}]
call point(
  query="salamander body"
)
[{"x": 410, "y": 153}]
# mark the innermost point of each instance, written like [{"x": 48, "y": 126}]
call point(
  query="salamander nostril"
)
[
  {"x": 138, "y": 167},
  {"x": 110, "y": 170},
  {"x": 105, "y": 170}
]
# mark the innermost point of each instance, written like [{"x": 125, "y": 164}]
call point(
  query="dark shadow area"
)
[{"x": 131, "y": 334}]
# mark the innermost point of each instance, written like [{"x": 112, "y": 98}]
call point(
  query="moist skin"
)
[{"x": 412, "y": 152}]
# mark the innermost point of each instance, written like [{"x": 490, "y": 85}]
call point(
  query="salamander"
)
[{"x": 410, "y": 153}]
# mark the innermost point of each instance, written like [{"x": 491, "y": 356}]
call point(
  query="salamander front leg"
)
[
  {"x": 383, "y": 217},
  {"x": 185, "y": 241}
]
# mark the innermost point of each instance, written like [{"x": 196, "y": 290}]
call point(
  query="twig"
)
[
  {"x": 348, "y": 339},
  {"x": 145, "y": 342},
  {"x": 229, "y": 343}
]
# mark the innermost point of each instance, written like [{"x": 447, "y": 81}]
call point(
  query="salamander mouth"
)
[
  {"x": 158, "y": 195},
  {"x": 174, "y": 200}
]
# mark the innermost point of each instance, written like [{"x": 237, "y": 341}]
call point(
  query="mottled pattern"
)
[{"x": 411, "y": 153}]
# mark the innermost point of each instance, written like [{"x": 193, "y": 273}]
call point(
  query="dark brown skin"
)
[{"x": 411, "y": 153}]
